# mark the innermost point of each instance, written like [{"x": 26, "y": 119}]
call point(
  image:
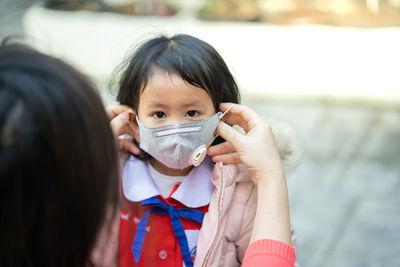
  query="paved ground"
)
[
  {"x": 345, "y": 200},
  {"x": 345, "y": 194}
]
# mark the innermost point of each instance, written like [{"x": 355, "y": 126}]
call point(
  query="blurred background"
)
[{"x": 330, "y": 68}]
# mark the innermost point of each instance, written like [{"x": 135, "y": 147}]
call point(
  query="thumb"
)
[
  {"x": 119, "y": 122},
  {"x": 230, "y": 134}
]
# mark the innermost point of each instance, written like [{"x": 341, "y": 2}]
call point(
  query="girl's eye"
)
[
  {"x": 159, "y": 115},
  {"x": 192, "y": 113}
]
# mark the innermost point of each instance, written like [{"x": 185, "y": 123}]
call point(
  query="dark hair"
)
[
  {"x": 195, "y": 61},
  {"x": 58, "y": 162}
]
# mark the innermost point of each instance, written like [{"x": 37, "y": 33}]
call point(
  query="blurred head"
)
[
  {"x": 58, "y": 165},
  {"x": 194, "y": 61}
]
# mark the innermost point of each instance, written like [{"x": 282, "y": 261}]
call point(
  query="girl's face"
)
[{"x": 169, "y": 100}]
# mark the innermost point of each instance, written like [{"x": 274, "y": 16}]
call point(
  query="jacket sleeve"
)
[
  {"x": 247, "y": 218},
  {"x": 271, "y": 253},
  {"x": 246, "y": 225}
]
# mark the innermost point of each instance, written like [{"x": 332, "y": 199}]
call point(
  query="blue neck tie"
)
[{"x": 162, "y": 208}]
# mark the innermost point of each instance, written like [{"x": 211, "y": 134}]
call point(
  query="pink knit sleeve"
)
[{"x": 270, "y": 253}]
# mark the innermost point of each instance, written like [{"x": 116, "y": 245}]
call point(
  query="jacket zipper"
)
[{"x": 218, "y": 219}]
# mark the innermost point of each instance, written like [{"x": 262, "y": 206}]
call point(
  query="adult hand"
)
[
  {"x": 256, "y": 148},
  {"x": 258, "y": 151},
  {"x": 122, "y": 121}
]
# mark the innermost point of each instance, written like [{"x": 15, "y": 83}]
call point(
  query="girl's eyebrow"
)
[
  {"x": 157, "y": 105},
  {"x": 193, "y": 103}
]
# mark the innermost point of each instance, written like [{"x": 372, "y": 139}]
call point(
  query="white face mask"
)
[{"x": 179, "y": 146}]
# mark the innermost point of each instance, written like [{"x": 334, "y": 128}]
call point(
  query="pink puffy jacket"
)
[{"x": 226, "y": 229}]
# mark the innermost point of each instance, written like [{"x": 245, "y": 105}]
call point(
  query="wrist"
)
[{"x": 265, "y": 176}]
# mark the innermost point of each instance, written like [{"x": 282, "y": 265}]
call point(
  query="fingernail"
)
[{"x": 124, "y": 116}]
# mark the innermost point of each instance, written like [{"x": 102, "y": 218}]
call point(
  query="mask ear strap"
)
[
  {"x": 222, "y": 115},
  {"x": 226, "y": 111}
]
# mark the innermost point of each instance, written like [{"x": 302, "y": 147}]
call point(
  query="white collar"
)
[{"x": 195, "y": 191}]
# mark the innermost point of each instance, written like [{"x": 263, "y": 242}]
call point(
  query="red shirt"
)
[{"x": 160, "y": 246}]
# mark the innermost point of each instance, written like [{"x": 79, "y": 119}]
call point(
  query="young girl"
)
[{"x": 174, "y": 213}]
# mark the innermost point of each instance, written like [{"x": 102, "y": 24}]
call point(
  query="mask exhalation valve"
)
[{"x": 198, "y": 155}]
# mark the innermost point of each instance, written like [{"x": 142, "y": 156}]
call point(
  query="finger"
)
[
  {"x": 241, "y": 115},
  {"x": 230, "y": 158},
  {"x": 114, "y": 110},
  {"x": 122, "y": 125},
  {"x": 231, "y": 135},
  {"x": 119, "y": 122},
  {"x": 128, "y": 145},
  {"x": 223, "y": 148}
]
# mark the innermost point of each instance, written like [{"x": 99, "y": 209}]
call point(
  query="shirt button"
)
[{"x": 163, "y": 254}]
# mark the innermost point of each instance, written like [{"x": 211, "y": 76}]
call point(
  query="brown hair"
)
[
  {"x": 194, "y": 60},
  {"x": 58, "y": 162}
]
